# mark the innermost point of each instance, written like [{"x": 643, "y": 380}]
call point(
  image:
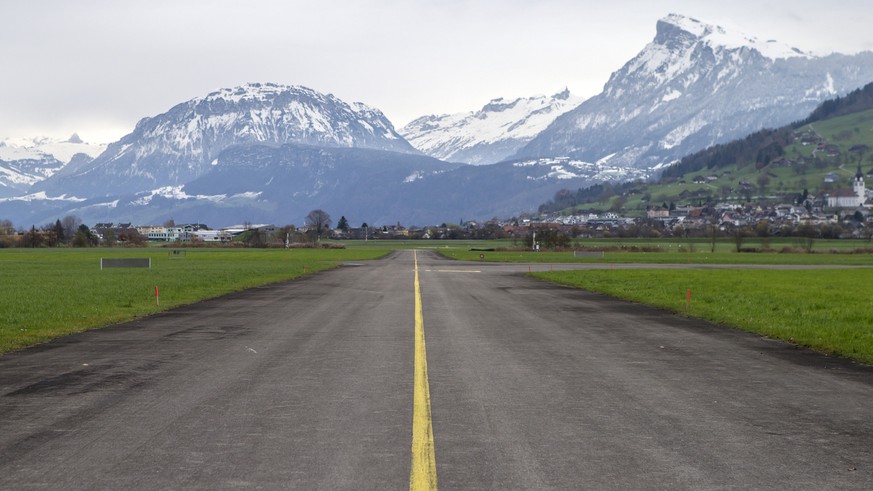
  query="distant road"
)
[{"x": 309, "y": 385}]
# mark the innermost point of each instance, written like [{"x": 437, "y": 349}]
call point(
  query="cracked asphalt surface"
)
[{"x": 308, "y": 385}]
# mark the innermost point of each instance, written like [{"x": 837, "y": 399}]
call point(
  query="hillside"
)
[{"x": 818, "y": 154}]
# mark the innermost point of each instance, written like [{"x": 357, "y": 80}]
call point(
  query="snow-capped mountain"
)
[
  {"x": 182, "y": 144},
  {"x": 39, "y": 147},
  {"x": 271, "y": 153},
  {"x": 282, "y": 184},
  {"x": 693, "y": 86},
  {"x": 492, "y": 134},
  {"x": 24, "y": 162}
]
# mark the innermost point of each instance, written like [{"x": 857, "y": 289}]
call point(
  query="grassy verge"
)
[
  {"x": 48, "y": 293},
  {"x": 826, "y": 310},
  {"x": 665, "y": 257}
]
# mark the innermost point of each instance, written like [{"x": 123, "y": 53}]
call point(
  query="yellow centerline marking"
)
[{"x": 423, "y": 471}]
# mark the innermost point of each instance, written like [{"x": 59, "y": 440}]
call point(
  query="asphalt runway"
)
[{"x": 309, "y": 385}]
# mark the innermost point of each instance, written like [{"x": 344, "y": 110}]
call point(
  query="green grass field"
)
[
  {"x": 826, "y": 310},
  {"x": 46, "y": 293},
  {"x": 678, "y": 251}
]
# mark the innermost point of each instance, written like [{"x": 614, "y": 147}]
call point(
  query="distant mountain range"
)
[
  {"x": 272, "y": 153},
  {"x": 492, "y": 134},
  {"x": 23, "y": 163},
  {"x": 266, "y": 152}
]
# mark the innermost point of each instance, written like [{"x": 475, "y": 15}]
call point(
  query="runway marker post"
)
[
  {"x": 157, "y": 297},
  {"x": 688, "y": 300}
]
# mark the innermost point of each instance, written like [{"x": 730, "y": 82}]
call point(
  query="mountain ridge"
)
[
  {"x": 181, "y": 144},
  {"x": 684, "y": 92},
  {"x": 296, "y": 148},
  {"x": 491, "y": 134}
]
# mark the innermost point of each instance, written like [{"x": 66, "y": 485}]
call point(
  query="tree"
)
[
  {"x": 131, "y": 237},
  {"x": 254, "y": 238},
  {"x": 318, "y": 220},
  {"x": 58, "y": 230},
  {"x": 807, "y": 234},
  {"x": 803, "y": 197},
  {"x": 740, "y": 234},
  {"x": 548, "y": 238},
  {"x": 84, "y": 237},
  {"x": 170, "y": 223},
  {"x": 71, "y": 225},
  {"x": 860, "y": 150},
  {"x": 109, "y": 237},
  {"x": 6, "y": 227},
  {"x": 713, "y": 237},
  {"x": 762, "y": 230},
  {"x": 343, "y": 224},
  {"x": 50, "y": 235},
  {"x": 33, "y": 238},
  {"x": 618, "y": 203},
  {"x": 286, "y": 235}
]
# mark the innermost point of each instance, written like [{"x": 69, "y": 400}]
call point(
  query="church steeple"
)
[{"x": 859, "y": 174}]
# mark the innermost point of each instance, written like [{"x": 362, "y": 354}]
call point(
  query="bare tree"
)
[
  {"x": 713, "y": 237},
  {"x": 318, "y": 220},
  {"x": 740, "y": 234},
  {"x": 33, "y": 238},
  {"x": 71, "y": 226}
]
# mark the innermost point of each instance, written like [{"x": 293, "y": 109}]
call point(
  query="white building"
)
[
  {"x": 211, "y": 235},
  {"x": 850, "y": 198},
  {"x": 160, "y": 234}
]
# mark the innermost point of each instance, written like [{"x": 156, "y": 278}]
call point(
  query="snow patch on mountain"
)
[
  {"x": 178, "y": 193},
  {"x": 41, "y": 148},
  {"x": 42, "y": 196},
  {"x": 719, "y": 37},
  {"x": 490, "y": 134},
  {"x": 564, "y": 168}
]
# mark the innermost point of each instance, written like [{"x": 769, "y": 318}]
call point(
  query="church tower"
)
[{"x": 858, "y": 185}]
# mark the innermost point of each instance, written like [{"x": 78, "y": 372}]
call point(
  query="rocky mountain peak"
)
[
  {"x": 183, "y": 143},
  {"x": 695, "y": 85},
  {"x": 678, "y": 32}
]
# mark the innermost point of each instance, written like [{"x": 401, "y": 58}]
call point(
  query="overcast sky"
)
[{"x": 96, "y": 67}]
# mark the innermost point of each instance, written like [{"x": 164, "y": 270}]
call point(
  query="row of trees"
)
[
  {"x": 55, "y": 237},
  {"x": 66, "y": 231}
]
